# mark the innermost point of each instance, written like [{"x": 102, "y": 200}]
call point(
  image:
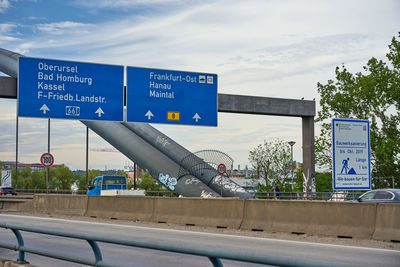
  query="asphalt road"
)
[{"x": 131, "y": 256}]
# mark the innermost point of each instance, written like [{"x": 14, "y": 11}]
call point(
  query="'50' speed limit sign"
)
[{"x": 47, "y": 159}]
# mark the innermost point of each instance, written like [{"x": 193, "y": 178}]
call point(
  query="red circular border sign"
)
[
  {"x": 219, "y": 168},
  {"x": 47, "y": 164}
]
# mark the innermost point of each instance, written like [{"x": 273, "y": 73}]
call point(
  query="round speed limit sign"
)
[
  {"x": 47, "y": 159},
  {"x": 221, "y": 169}
]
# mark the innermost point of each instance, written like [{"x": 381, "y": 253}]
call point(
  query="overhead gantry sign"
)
[{"x": 49, "y": 88}]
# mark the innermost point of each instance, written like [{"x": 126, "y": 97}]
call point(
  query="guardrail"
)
[
  {"x": 213, "y": 255},
  {"x": 329, "y": 196},
  {"x": 83, "y": 192}
]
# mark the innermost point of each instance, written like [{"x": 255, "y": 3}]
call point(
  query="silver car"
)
[{"x": 380, "y": 196}]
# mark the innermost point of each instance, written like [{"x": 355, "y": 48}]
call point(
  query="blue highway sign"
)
[
  {"x": 172, "y": 97},
  {"x": 50, "y": 88}
]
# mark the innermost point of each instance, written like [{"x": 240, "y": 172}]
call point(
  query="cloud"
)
[
  {"x": 6, "y": 32},
  {"x": 59, "y": 28},
  {"x": 4, "y": 4},
  {"x": 6, "y": 27},
  {"x": 106, "y": 4}
]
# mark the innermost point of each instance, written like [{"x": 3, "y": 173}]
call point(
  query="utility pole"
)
[
  {"x": 134, "y": 176},
  {"x": 16, "y": 153},
  {"x": 87, "y": 156},
  {"x": 291, "y": 143}
]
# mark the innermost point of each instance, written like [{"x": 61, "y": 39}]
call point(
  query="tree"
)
[
  {"x": 373, "y": 95},
  {"x": 80, "y": 180},
  {"x": 39, "y": 179},
  {"x": 61, "y": 178},
  {"x": 272, "y": 162},
  {"x": 23, "y": 174},
  {"x": 148, "y": 183}
]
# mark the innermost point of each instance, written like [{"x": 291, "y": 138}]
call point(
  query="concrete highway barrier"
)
[
  {"x": 60, "y": 204},
  {"x": 312, "y": 217},
  {"x": 220, "y": 212},
  {"x": 15, "y": 204},
  {"x": 136, "y": 208},
  {"x": 387, "y": 225},
  {"x": 342, "y": 219}
]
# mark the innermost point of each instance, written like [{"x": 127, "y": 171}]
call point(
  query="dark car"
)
[
  {"x": 380, "y": 196},
  {"x": 6, "y": 190}
]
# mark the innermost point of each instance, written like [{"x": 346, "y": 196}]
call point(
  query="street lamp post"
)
[{"x": 291, "y": 143}]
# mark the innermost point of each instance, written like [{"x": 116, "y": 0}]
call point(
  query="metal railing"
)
[
  {"x": 50, "y": 191},
  {"x": 83, "y": 192},
  {"x": 327, "y": 196},
  {"x": 214, "y": 255}
]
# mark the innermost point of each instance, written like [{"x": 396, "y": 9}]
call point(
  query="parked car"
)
[
  {"x": 381, "y": 196},
  {"x": 7, "y": 190},
  {"x": 338, "y": 196}
]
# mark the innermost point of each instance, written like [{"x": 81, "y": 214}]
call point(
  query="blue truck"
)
[
  {"x": 111, "y": 186},
  {"x": 103, "y": 183}
]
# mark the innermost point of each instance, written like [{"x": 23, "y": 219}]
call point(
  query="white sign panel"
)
[
  {"x": 351, "y": 154},
  {"x": 6, "y": 178}
]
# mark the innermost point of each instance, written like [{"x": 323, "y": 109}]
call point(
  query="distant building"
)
[
  {"x": 130, "y": 170},
  {"x": 33, "y": 166},
  {"x": 242, "y": 178}
]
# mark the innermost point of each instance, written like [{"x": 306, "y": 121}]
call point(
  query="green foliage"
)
[
  {"x": 298, "y": 186},
  {"x": 129, "y": 183},
  {"x": 80, "y": 180},
  {"x": 323, "y": 181},
  {"x": 373, "y": 95},
  {"x": 61, "y": 178},
  {"x": 148, "y": 183},
  {"x": 24, "y": 178},
  {"x": 38, "y": 179},
  {"x": 272, "y": 162}
]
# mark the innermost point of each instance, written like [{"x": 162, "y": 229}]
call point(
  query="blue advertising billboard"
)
[
  {"x": 49, "y": 88},
  {"x": 171, "y": 97}
]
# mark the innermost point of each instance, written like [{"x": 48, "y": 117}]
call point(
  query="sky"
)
[{"x": 270, "y": 48}]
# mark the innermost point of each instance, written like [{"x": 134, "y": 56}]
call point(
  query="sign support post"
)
[
  {"x": 47, "y": 161},
  {"x": 87, "y": 156},
  {"x": 16, "y": 152},
  {"x": 48, "y": 151},
  {"x": 221, "y": 171}
]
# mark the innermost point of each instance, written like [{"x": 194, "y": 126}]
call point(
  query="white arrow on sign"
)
[
  {"x": 99, "y": 112},
  {"x": 196, "y": 117},
  {"x": 44, "y": 108},
  {"x": 149, "y": 115}
]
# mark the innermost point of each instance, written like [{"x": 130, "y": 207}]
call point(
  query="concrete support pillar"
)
[{"x": 308, "y": 149}]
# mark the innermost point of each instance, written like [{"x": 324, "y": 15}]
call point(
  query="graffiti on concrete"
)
[
  {"x": 169, "y": 182},
  {"x": 206, "y": 194},
  {"x": 227, "y": 184},
  {"x": 192, "y": 181}
]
